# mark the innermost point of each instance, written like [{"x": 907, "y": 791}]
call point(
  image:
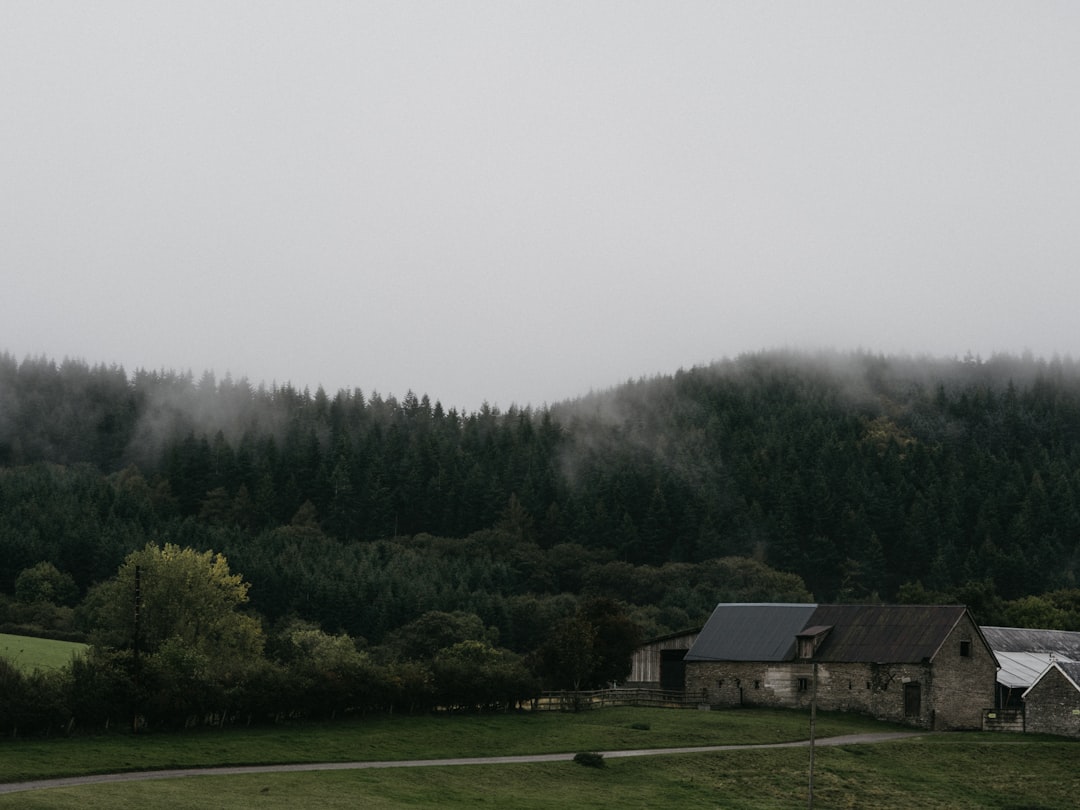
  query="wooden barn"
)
[
  {"x": 925, "y": 665},
  {"x": 659, "y": 663}
]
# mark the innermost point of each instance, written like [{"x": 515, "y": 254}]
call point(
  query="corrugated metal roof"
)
[
  {"x": 885, "y": 633},
  {"x": 1063, "y": 643},
  {"x": 751, "y": 631},
  {"x": 1019, "y": 670}
]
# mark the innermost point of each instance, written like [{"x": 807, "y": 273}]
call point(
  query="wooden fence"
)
[{"x": 569, "y": 701}]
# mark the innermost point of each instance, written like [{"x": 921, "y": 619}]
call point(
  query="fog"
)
[{"x": 518, "y": 203}]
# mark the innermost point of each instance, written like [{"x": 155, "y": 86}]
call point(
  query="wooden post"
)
[
  {"x": 813, "y": 724},
  {"x": 135, "y": 647}
]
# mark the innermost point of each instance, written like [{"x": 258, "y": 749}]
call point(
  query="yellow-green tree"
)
[{"x": 170, "y": 597}]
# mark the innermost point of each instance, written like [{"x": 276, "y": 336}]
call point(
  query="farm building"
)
[
  {"x": 1028, "y": 658},
  {"x": 659, "y": 664},
  {"x": 926, "y": 665},
  {"x": 1024, "y": 654},
  {"x": 1052, "y": 703}
]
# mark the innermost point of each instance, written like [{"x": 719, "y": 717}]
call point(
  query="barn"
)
[
  {"x": 659, "y": 663},
  {"x": 925, "y": 665}
]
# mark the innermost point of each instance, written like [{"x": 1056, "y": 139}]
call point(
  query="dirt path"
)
[{"x": 179, "y": 773}]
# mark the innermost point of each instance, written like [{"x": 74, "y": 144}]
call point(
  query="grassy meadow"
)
[
  {"x": 932, "y": 771},
  {"x": 29, "y": 653}
]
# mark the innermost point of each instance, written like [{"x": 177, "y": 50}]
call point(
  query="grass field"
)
[
  {"x": 29, "y": 653},
  {"x": 936, "y": 771}
]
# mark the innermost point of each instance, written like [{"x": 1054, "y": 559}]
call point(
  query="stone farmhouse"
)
[{"x": 926, "y": 665}]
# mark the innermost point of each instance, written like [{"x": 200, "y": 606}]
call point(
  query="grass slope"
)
[
  {"x": 936, "y": 771},
  {"x": 422, "y": 737},
  {"x": 29, "y": 653}
]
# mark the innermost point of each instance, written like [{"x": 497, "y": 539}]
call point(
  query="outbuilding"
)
[
  {"x": 1033, "y": 684},
  {"x": 659, "y": 663},
  {"x": 1052, "y": 703}
]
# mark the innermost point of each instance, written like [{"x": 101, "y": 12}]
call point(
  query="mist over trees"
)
[
  {"x": 774, "y": 476},
  {"x": 858, "y": 473}
]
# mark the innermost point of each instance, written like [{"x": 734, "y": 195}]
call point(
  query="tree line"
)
[
  {"x": 773, "y": 476},
  {"x": 859, "y": 473}
]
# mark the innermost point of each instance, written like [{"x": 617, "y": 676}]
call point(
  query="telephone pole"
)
[{"x": 813, "y": 724}]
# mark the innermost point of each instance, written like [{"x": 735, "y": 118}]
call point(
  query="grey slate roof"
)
[
  {"x": 885, "y": 634},
  {"x": 751, "y": 631},
  {"x": 857, "y": 633},
  {"x": 1072, "y": 671}
]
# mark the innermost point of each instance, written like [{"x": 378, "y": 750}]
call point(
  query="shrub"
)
[{"x": 590, "y": 758}]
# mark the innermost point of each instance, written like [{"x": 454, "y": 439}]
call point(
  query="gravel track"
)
[{"x": 181, "y": 773}]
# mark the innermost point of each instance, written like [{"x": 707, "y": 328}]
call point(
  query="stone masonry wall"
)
[
  {"x": 963, "y": 685},
  {"x": 1053, "y": 706},
  {"x": 876, "y": 690}
]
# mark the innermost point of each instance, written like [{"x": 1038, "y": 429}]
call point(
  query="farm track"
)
[{"x": 233, "y": 770}]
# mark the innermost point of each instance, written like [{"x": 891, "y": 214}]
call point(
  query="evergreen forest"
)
[{"x": 775, "y": 476}]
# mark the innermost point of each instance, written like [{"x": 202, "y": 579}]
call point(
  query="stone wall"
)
[
  {"x": 964, "y": 680},
  {"x": 1011, "y": 720},
  {"x": 873, "y": 689},
  {"x": 1052, "y": 706}
]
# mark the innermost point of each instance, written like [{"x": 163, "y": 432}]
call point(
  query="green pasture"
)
[
  {"x": 29, "y": 653},
  {"x": 933, "y": 771}
]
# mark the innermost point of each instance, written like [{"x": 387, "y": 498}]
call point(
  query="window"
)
[
  {"x": 804, "y": 684},
  {"x": 965, "y": 648},
  {"x": 757, "y": 684}
]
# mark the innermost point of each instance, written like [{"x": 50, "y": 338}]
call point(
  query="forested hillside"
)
[{"x": 865, "y": 477}]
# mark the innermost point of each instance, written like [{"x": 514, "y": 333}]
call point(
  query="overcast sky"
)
[{"x": 517, "y": 202}]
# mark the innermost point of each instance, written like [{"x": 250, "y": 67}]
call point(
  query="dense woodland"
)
[{"x": 774, "y": 476}]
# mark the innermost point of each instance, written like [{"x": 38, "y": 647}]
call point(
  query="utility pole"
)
[
  {"x": 813, "y": 724},
  {"x": 135, "y": 646}
]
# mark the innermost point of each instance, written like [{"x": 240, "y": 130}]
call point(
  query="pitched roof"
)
[
  {"x": 1063, "y": 643},
  {"x": 885, "y": 633},
  {"x": 859, "y": 633},
  {"x": 1069, "y": 669},
  {"x": 1022, "y": 669},
  {"x": 750, "y": 631},
  {"x": 1025, "y": 654}
]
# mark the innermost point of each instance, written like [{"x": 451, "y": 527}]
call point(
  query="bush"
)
[{"x": 590, "y": 759}]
